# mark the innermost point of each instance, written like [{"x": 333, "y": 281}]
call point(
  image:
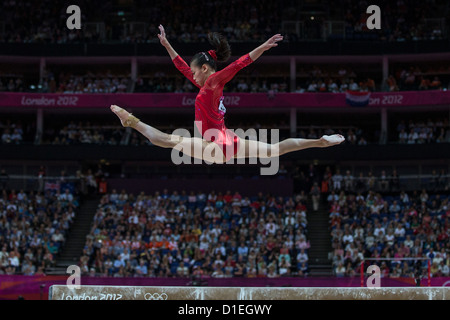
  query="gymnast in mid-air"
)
[{"x": 222, "y": 143}]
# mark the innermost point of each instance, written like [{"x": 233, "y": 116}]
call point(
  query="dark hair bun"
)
[{"x": 220, "y": 45}]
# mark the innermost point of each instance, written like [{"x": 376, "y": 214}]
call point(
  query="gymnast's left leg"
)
[{"x": 258, "y": 149}]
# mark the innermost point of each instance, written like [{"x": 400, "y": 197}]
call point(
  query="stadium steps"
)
[
  {"x": 320, "y": 240},
  {"x": 76, "y": 240}
]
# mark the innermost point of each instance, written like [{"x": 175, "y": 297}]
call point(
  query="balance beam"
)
[{"x": 62, "y": 292}]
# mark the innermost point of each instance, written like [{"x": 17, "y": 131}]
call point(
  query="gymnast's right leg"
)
[
  {"x": 193, "y": 147},
  {"x": 155, "y": 136}
]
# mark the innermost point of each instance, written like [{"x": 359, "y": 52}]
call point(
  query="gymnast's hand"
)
[
  {"x": 162, "y": 36},
  {"x": 272, "y": 42}
]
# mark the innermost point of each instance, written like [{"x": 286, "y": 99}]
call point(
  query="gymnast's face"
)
[{"x": 201, "y": 73}]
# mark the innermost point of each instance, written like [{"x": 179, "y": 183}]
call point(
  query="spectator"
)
[
  {"x": 403, "y": 136},
  {"x": 337, "y": 180},
  {"x": 340, "y": 270},
  {"x": 348, "y": 181},
  {"x": 302, "y": 257},
  {"x": 58, "y": 238},
  {"x": 6, "y": 137},
  {"x": 315, "y": 196},
  {"x": 384, "y": 181}
]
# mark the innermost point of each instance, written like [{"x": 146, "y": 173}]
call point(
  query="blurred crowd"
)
[
  {"x": 419, "y": 78},
  {"x": 84, "y": 133},
  {"x": 190, "y": 234},
  {"x": 318, "y": 182},
  {"x": 33, "y": 229},
  {"x": 112, "y": 133},
  {"x": 402, "y": 20},
  {"x": 315, "y": 79},
  {"x": 31, "y": 21},
  {"x": 372, "y": 216},
  {"x": 160, "y": 83},
  {"x": 15, "y": 132},
  {"x": 89, "y": 82},
  {"x": 12, "y": 83},
  {"x": 424, "y": 131},
  {"x": 374, "y": 226},
  {"x": 197, "y": 234}
]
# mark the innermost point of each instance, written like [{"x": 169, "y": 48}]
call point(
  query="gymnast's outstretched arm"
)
[
  {"x": 180, "y": 64},
  {"x": 271, "y": 43},
  {"x": 226, "y": 74},
  {"x": 165, "y": 43}
]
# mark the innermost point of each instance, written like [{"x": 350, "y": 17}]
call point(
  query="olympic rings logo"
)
[{"x": 155, "y": 296}]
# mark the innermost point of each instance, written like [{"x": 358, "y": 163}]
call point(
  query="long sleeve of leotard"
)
[
  {"x": 183, "y": 67},
  {"x": 227, "y": 73}
]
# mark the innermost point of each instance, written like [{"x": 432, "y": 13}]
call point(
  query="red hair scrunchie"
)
[{"x": 212, "y": 53}]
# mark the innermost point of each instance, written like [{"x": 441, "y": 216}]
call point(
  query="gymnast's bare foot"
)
[
  {"x": 335, "y": 139},
  {"x": 126, "y": 118}
]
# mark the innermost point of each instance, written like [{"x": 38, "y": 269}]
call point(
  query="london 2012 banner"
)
[{"x": 241, "y": 100}]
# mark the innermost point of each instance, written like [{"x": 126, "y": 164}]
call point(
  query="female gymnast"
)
[{"x": 223, "y": 144}]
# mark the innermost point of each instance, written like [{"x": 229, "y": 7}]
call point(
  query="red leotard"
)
[{"x": 208, "y": 100}]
